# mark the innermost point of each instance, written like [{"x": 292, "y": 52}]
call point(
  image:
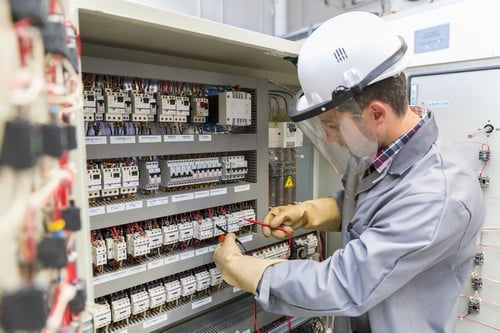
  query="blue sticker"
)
[{"x": 432, "y": 39}]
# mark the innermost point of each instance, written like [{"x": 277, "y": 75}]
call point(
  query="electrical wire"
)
[
  {"x": 290, "y": 243},
  {"x": 289, "y": 234}
]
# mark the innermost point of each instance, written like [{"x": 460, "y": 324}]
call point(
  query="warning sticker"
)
[{"x": 289, "y": 182}]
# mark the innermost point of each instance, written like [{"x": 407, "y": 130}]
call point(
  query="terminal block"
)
[
  {"x": 101, "y": 312},
  {"x": 114, "y": 102},
  {"x": 157, "y": 296},
  {"x": 137, "y": 244},
  {"x": 139, "y": 302},
  {"x": 111, "y": 181},
  {"x": 130, "y": 179},
  {"x": 120, "y": 309},
  {"x": 215, "y": 276},
  {"x": 94, "y": 183},
  {"x": 149, "y": 176},
  {"x": 170, "y": 234},
  {"x": 186, "y": 231},
  {"x": 143, "y": 106},
  {"x": 166, "y": 108},
  {"x": 234, "y": 167},
  {"x": 99, "y": 251},
  {"x": 89, "y": 105},
  {"x": 202, "y": 280},
  {"x": 173, "y": 290},
  {"x": 155, "y": 236},
  {"x": 188, "y": 285}
]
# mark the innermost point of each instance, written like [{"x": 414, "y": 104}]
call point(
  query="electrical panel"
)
[
  {"x": 165, "y": 146},
  {"x": 466, "y": 119},
  {"x": 41, "y": 288}
]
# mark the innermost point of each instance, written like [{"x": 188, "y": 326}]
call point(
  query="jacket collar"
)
[
  {"x": 415, "y": 148},
  {"x": 409, "y": 154}
]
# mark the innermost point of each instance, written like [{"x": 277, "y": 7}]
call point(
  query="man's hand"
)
[
  {"x": 318, "y": 214},
  {"x": 240, "y": 270}
]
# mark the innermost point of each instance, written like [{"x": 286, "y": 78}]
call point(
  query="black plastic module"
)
[
  {"x": 23, "y": 310},
  {"x": 52, "y": 252},
  {"x": 20, "y": 148}
]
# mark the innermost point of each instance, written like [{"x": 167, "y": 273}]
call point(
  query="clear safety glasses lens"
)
[{"x": 340, "y": 133}]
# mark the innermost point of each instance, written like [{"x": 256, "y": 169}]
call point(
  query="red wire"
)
[{"x": 257, "y": 329}]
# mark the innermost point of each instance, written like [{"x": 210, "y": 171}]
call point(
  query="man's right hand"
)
[{"x": 319, "y": 214}]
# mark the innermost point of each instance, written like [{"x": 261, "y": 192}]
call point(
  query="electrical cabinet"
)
[
  {"x": 463, "y": 98},
  {"x": 163, "y": 175}
]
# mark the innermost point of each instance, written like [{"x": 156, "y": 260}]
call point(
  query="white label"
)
[
  {"x": 246, "y": 239},
  {"x": 96, "y": 140},
  {"x": 171, "y": 259},
  {"x": 201, "y": 194},
  {"x": 115, "y": 208},
  {"x": 156, "y": 202},
  {"x": 201, "y": 251},
  {"x": 178, "y": 138},
  {"x": 119, "y": 274},
  {"x": 133, "y": 205},
  {"x": 97, "y": 211},
  {"x": 201, "y": 302},
  {"x": 149, "y": 138},
  {"x": 182, "y": 197},
  {"x": 186, "y": 255},
  {"x": 212, "y": 248},
  {"x": 242, "y": 188},
  {"x": 156, "y": 263},
  {"x": 205, "y": 137},
  {"x": 154, "y": 321},
  {"x": 236, "y": 289},
  {"x": 218, "y": 191},
  {"x": 121, "y": 139},
  {"x": 437, "y": 104}
]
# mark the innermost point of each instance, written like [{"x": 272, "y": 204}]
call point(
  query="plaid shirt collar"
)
[{"x": 385, "y": 155}]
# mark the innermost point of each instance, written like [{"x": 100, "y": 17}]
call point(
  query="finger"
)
[
  {"x": 271, "y": 214},
  {"x": 278, "y": 220},
  {"x": 281, "y": 234},
  {"x": 230, "y": 243},
  {"x": 266, "y": 231}
]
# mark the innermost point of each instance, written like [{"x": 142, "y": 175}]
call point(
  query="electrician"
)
[{"x": 409, "y": 212}]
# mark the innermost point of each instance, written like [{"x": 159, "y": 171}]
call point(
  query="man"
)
[{"x": 409, "y": 212}]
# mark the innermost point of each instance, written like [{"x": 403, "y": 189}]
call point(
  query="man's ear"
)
[{"x": 378, "y": 111}]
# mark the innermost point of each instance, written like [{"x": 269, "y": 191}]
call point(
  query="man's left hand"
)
[{"x": 240, "y": 270}]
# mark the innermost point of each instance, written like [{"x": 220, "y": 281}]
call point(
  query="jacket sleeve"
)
[{"x": 404, "y": 239}]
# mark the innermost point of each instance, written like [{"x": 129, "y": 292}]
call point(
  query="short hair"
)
[{"x": 392, "y": 91}]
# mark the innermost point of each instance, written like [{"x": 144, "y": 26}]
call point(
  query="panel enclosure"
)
[{"x": 463, "y": 98}]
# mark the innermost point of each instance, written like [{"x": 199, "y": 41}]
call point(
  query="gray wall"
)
[{"x": 258, "y": 15}]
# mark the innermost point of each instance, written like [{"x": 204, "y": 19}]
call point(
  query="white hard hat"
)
[{"x": 343, "y": 56}]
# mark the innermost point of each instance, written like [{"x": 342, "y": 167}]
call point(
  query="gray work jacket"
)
[{"x": 409, "y": 237}]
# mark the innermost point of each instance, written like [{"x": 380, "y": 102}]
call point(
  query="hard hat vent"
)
[{"x": 340, "y": 54}]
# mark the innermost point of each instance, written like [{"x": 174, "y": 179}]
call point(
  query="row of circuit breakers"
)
[
  {"x": 226, "y": 108},
  {"x": 118, "y": 309},
  {"x": 123, "y": 178},
  {"x": 112, "y": 246}
]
